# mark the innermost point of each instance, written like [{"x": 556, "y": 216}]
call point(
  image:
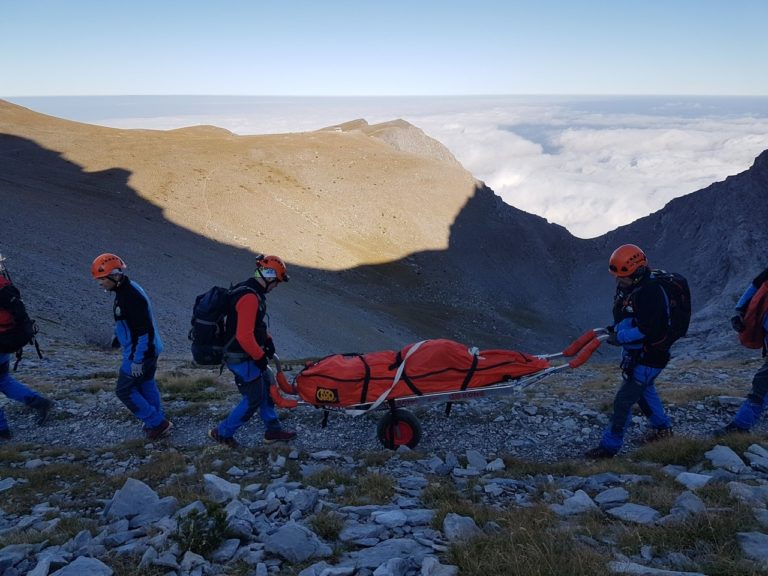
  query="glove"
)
[
  {"x": 737, "y": 323},
  {"x": 269, "y": 348},
  {"x": 613, "y": 339},
  {"x": 263, "y": 363},
  {"x": 137, "y": 369}
]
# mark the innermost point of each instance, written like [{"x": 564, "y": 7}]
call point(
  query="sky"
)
[
  {"x": 590, "y": 164},
  {"x": 398, "y": 47}
]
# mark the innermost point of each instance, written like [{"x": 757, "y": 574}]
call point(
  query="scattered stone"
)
[
  {"x": 693, "y": 481},
  {"x": 635, "y": 513},
  {"x": 296, "y": 543},
  {"x": 724, "y": 457},
  {"x": 579, "y": 503},
  {"x": 639, "y": 569},
  {"x": 754, "y": 545},
  {"x": 459, "y": 528}
]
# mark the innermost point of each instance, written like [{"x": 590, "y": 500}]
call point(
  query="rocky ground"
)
[{"x": 86, "y": 494}]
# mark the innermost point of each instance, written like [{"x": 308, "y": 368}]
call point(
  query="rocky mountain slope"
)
[{"x": 388, "y": 239}]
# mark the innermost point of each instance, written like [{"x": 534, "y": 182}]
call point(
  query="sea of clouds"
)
[{"x": 590, "y": 164}]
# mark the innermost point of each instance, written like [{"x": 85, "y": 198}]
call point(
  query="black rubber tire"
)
[{"x": 397, "y": 428}]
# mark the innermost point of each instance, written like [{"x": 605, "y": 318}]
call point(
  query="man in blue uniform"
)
[
  {"x": 641, "y": 318},
  {"x": 752, "y": 408},
  {"x": 136, "y": 331}
]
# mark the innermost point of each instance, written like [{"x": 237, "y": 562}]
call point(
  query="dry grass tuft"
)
[
  {"x": 529, "y": 545},
  {"x": 327, "y": 524},
  {"x": 676, "y": 450},
  {"x": 708, "y": 539},
  {"x": 177, "y": 386}
]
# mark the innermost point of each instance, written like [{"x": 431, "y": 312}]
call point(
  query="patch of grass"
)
[
  {"x": 202, "y": 533},
  {"x": 410, "y": 455},
  {"x": 72, "y": 479},
  {"x": 123, "y": 565},
  {"x": 676, "y": 450},
  {"x": 97, "y": 387},
  {"x": 738, "y": 442},
  {"x": 160, "y": 466},
  {"x": 716, "y": 495},
  {"x": 708, "y": 539},
  {"x": 372, "y": 488},
  {"x": 22, "y": 537},
  {"x": 189, "y": 389},
  {"x": 660, "y": 494},
  {"x": 373, "y": 459},
  {"x": 689, "y": 394},
  {"x": 529, "y": 546},
  {"x": 329, "y": 477},
  {"x": 71, "y": 526},
  {"x": 515, "y": 467},
  {"x": 327, "y": 524},
  {"x": 103, "y": 374},
  {"x": 128, "y": 449},
  {"x": 444, "y": 498}
]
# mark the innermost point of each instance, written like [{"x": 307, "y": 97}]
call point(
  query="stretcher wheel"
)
[{"x": 399, "y": 428}]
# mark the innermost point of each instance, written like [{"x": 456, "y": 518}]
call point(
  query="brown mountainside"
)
[{"x": 388, "y": 239}]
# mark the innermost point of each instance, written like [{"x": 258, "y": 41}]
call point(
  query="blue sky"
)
[{"x": 398, "y": 47}]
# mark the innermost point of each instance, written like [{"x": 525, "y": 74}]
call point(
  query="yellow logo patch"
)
[{"x": 327, "y": 396}]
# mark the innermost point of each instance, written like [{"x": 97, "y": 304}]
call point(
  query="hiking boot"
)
[
  {"x": 44, "y": 411},
  {"x": 599, "y": 453},
  {"x": 278, "y": 436},
  {"x": 229, "y": 442},
  {"x": 164, "y": 429},
  {"x": 656, "y": 434},
  {"x": 6, "y": 434},
  {"x": 730, "y": 428}
]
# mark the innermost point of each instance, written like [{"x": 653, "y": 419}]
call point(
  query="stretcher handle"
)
[
  {"x": 283, "y": 385},
  {"x": 282, "y": 380},
  {"x": 575, "y": 346},
  {"x": 280, "y": 400},
  {"x": 585, "y": 353}
]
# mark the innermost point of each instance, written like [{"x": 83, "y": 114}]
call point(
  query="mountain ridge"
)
[{"x": 388, "y": 238}]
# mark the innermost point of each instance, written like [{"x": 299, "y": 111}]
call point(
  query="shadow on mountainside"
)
[{"x": 59, "y": 217}]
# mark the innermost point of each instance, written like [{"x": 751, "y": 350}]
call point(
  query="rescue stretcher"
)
[{"x": 425, "y": 372}]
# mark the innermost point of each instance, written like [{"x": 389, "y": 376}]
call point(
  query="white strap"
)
[{"x": 384, "y": 394}]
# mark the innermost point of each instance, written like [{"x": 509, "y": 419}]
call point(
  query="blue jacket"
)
[
  {"x": 641, "y": 315},
  {"x": 135, "y": 325}
]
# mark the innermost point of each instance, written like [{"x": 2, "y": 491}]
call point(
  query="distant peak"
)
[{"x": 400, "y": 135}]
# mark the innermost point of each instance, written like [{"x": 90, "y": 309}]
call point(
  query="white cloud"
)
[{"x": 588, "y": 169}]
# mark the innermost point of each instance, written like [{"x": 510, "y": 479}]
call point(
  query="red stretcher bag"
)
[{"x": 426, "y": 367}]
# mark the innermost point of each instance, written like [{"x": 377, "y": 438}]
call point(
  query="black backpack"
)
[
  {"x": 209, "y": 324},
  {"x": 678, "y": 294},
  {"x": 21, "y": 330}
]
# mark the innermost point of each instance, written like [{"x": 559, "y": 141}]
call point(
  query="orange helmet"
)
[
  {"x": 626, "y": 260},
  {"x": 272, "y": 267},
  {"x": 106, "y": 264}
]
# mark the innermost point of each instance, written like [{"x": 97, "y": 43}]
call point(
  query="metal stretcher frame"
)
[{"x": 401, "y": 427}]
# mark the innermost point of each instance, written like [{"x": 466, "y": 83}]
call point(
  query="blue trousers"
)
[
  {"x": 141, "y": 395},
  {"x": 637, "y": 387},
  {"x": 15, "y": 390},
  {"x": 254, "y": 388},
  {"x": 752, "y": 408}
]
